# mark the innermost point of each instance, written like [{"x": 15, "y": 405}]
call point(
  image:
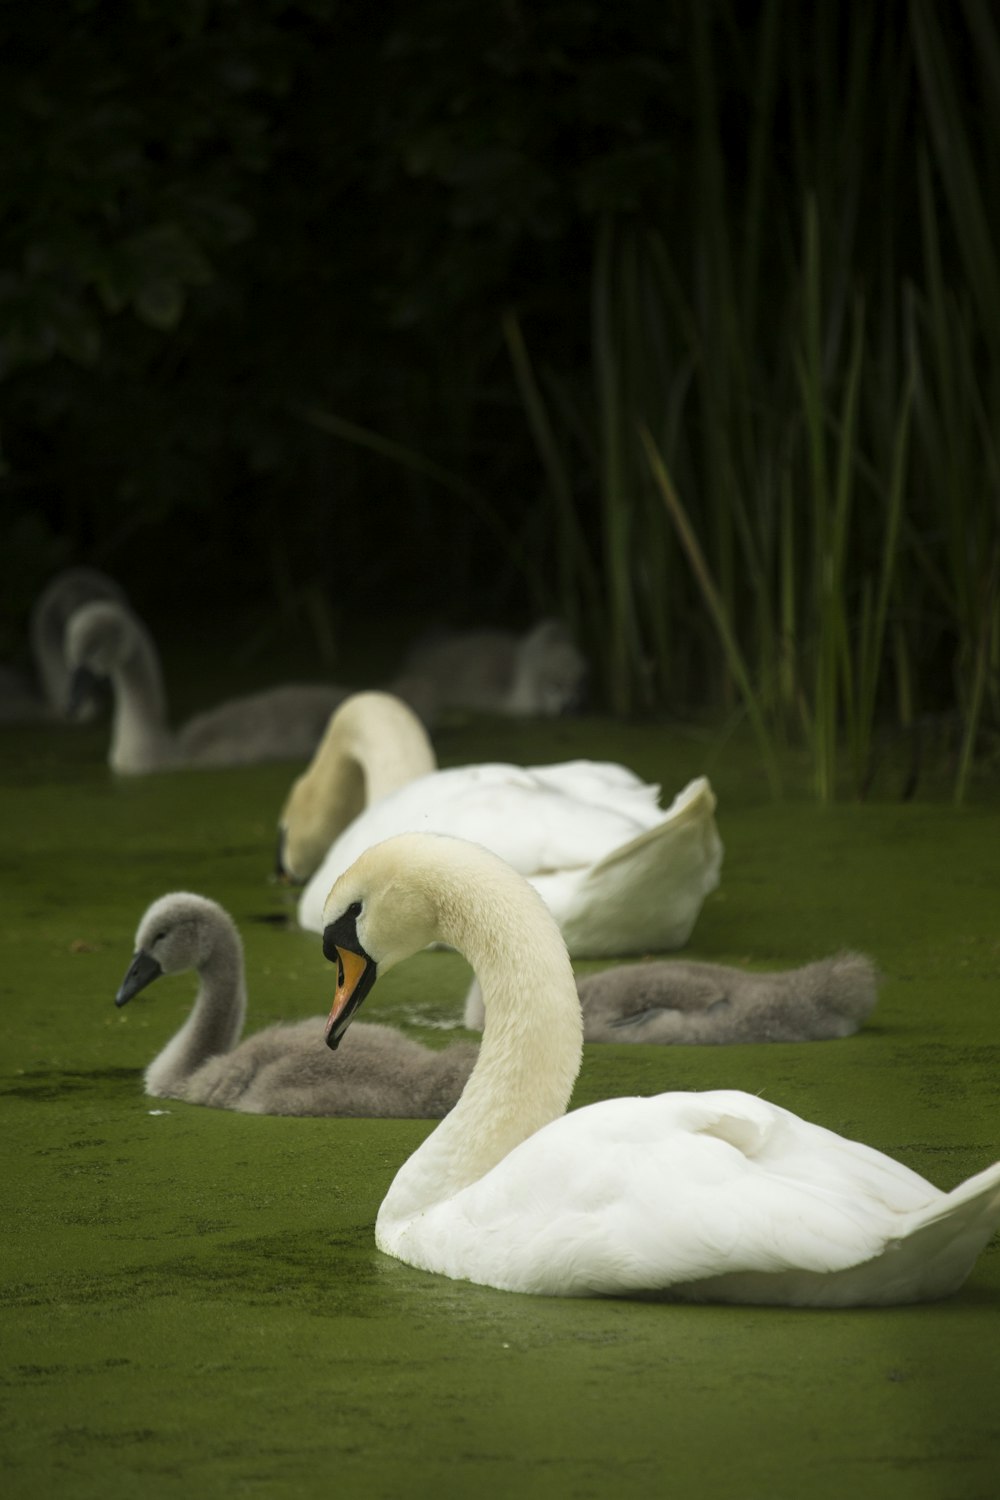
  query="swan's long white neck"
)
[
  {"x": 215, "y": 1023},
  {"x": 530, "y": 1054},
  {"x": 140, "y": 739},
  {"x": 373, "y": 744}
]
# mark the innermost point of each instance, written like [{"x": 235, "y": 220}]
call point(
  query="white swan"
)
[
  {"x": 680, "y": 1002},
  {"x": 715, "y": 1196},
  {"x": 620, "y": 873},
  {"x": 539, "y": 674},
  {"x": 107, "y": 639},
  {"x": 283, "y": 1069}
]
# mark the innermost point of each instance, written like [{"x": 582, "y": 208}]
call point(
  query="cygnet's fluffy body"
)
[
  {"x": 108, "y": 640},
  {"x": 283, "y": 1069},
  {"x": 537, "y": 675},
  {"x": 678, "y": 1002}
]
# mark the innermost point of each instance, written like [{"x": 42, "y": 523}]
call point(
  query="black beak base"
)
[
  {"x": 141, "y": 971},
  {"x": 342, "y": 946}
]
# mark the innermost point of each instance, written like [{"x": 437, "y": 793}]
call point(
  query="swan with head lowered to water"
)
[
  {"x": 620, "y": 873},
  {"x": 715, "y": 1196},
  {"x": 106, "y": 639},
  {"x": 283, "y": 1069}
]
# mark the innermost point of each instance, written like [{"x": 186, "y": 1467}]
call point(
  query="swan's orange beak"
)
[{"x": 355, "y": 977}]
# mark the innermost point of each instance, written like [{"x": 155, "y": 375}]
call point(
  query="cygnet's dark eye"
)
[{"x": 159, "y": 936}]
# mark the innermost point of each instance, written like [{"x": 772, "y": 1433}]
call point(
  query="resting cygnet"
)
[
  {"x": 108, "y": 640},
  {"x": 677, "y": 1002},
  {"x": 538, "y": 674},
  {"x": 284, "y": 1069}
]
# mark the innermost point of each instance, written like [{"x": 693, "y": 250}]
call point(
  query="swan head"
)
[
  {"x": 550, "y": 672},
  {"x": 379, "y": 912},
  {"x": 415, "y": 889},
  {"x": 373, "y": 744},
  {"x": 98, "y": 637},
  {"x": 177, "y": 932},
  {"x": 98, "y": 640},
  {"x": 303, "y": 832}
]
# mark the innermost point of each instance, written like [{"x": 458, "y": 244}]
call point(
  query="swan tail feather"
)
[
  {"x": 645, "y": 896},
  {"x": 937, "y": 1249}
]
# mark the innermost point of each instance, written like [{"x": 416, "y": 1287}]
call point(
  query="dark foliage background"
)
[
  {"x": 219, "y": 213},
  {"x": 264, "y": 266}
]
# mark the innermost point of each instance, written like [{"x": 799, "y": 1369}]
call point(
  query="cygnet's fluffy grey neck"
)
[
  {"x": 140, "y": 739},
  {"x": 532, "y": 1042},
  {"x": 216, "y": 1020}
]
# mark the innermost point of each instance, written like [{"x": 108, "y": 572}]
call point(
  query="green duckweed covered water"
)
[{"x": 192, "y": 1300}]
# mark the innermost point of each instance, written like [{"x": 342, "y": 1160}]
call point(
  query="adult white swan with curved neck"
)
[
  {"x": 283, "y": 1069},
  {"x": 715, "y": 1196},
  {"x": 107, "y": 639},
  {"x": 620, "y": 873}
]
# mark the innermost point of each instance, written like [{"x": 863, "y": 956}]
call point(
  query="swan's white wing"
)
[
  {"x": 634, "y": 1194},
  {"x": 645, "y": 895},
  {"x": 513, "y": 811},
  {"x": 603, "y": 783}
]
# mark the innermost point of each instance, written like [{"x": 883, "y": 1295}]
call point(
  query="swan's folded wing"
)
[
  {"x": 634, "y": 1194},
  {"x": 645, "y": 895}
]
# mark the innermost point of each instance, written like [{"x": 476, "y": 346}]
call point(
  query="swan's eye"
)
[
  {"x": 354, "y": 910},
  {"x": 159, "y": 936}
]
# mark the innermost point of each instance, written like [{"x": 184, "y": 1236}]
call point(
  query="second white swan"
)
[{"x": 620, "y": 873}]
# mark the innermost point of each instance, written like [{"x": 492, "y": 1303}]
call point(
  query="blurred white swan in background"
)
[
  {"x": 679, "y": 1002},
  {"x": 282, "y": 1069},
  {"x": 107, "y": 639},
  {"x": 620, "y": 873},
  {"x": 715, "y": 1196}
]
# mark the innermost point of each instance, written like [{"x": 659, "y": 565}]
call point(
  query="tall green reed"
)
[
  {"x": 776, "y": 489},
  {"x": 824, "y": 451}
]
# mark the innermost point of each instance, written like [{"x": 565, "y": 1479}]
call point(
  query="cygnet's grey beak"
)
[
  {"x": 141, "y": 971},
  {"x": 83, "y": 686}
]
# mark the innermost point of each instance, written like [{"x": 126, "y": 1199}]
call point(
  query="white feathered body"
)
[
  {"x": 717, "y": 1197},
  {"x": 556, "y": 825}
]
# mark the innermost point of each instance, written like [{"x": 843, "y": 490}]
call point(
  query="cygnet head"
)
[
  {"x": 179, "y": 931},
  {"x": 98, "y": 637},
  {"x": 550, "y": 672}
]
